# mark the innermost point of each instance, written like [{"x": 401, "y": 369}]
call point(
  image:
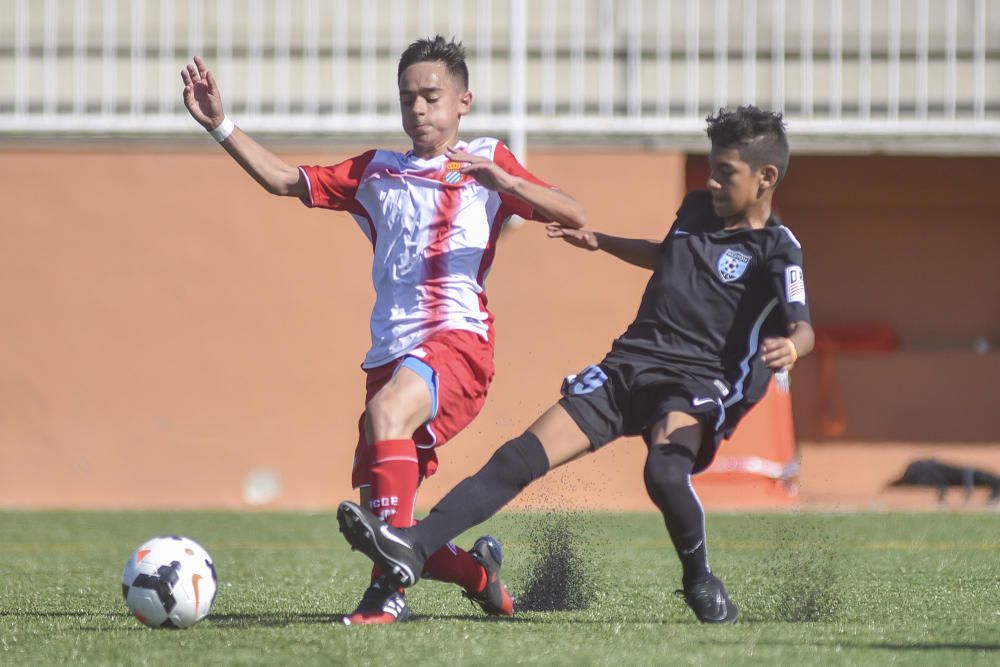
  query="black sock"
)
[
  {"x": 473, "y": 500},
  {"x": 668, "y": 481}
]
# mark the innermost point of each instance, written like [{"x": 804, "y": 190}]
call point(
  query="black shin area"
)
[
  {"x": 668, "y": 481},
  {"x": 512, "y": 467}
]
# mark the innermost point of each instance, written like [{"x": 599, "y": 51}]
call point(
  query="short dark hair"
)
[
  {"x": 451, "y": 53},
  {"x": 757, "y": 134}
]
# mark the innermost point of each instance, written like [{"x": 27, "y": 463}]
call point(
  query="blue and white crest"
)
[
  {"x": 453, "y": 177},
  {"x": 732, "y": 264}
]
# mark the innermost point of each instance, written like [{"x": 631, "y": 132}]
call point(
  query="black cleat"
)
[
  {"x": 494, "y": 598},
  {"x": 709, "y": 601},
  {"x": 382, "y": 543},
  {"x": 380, "y": 605}
]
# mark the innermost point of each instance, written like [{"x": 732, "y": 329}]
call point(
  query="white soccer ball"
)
[{"x": 169, "y": 582}]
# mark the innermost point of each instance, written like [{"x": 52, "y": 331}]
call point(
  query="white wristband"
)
[{"x": 224, "y": 129}]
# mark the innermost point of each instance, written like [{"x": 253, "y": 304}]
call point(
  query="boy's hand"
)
[
  {"x": 486, "y": 171},
  {"x": 574, "y": 237},
  {"x": 201, "y": 95},
  {"x": 778, "y": 353}
]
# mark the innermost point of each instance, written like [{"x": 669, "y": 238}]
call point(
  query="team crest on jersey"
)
[
  {"x": 451, "y": 172},
  {"x": 732, "y": 264}
]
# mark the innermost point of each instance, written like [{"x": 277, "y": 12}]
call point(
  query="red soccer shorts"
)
[{"x": 462, "y": 365}]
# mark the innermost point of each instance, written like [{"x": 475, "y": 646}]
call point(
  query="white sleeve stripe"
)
[
  {"x": 308, "y": 186},
  {"x": 792, "y": 237}
]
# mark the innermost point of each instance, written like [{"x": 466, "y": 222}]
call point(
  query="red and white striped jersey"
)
[{"x": 434, "y": 233}]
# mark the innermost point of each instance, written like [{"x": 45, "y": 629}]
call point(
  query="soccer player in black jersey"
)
[{"x": 724, "y": 309}]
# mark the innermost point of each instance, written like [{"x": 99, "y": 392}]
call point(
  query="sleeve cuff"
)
[{"x": 308, "y": 198}]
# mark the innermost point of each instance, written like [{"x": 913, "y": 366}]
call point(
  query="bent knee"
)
[
  {"x": 665, "y": 477},
  {"x": 668, "y": 468}
]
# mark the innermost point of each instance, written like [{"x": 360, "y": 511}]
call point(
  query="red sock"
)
[
  {"x": 456, "y": 566},
  {"x": 394, "y": 477}
]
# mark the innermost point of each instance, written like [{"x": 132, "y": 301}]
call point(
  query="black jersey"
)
[{"x": 715, "y": 293}]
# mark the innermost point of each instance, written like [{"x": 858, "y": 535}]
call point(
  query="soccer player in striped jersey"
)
[
  {"x": 433, "y": 215},
  {"x": 725, "y": 309}
]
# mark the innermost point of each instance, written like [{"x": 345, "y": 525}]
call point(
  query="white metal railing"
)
[{"x": 849, "y": 74}]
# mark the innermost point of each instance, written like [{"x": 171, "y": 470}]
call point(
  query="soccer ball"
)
[{"x": 169, "y": 582}]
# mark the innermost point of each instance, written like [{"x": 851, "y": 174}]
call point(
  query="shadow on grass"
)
[
  {"x": 219, "y": 620},
  {"x": 885, "y": 646},
  {"x": 547, "y": 618},
  {"x": 471, "y": 618},
  {"x": 285, "y": 619},
  {"x": 266, "y": 620},
  {"x": 271, "y": 620},
  {"x": 62, "y": 614},
  {"x": 937, "y": 647}
]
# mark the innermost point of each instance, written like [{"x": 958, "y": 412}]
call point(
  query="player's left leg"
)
[
  {"x": 553, "y": 440},
  {"x": 386, "y": 470},
  {"x": 674, "y": 442},
  {"x": 455, "y": 368},
  {"x": 460, "y": 370},
  {"x": 561, "y": 434}
]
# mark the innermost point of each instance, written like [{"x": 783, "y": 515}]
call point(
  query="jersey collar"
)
[{"x": 411, "y": 157}]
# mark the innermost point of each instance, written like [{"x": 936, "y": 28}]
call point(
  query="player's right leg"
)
[
  {"x": 398, "y": 408},
  {"x": 674, "y": 443},
  {"x": 382, "y": 603},
  {"x": 554, "y": 439}
]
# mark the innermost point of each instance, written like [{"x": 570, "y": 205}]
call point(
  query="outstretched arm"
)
[
  {"x": 553, "y": 204},
  {"x": 204, "y": 101},
  {"x": 640, "y": 252},
  {"x": 780, "y": 354}
]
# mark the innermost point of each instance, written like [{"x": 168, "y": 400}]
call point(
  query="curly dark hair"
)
[
  {"x": 438, "y": 49},
  {"x": 758, "y": 135}
]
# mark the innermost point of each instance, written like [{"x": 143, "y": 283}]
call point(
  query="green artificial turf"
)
[{"x": 813, "y": 589}]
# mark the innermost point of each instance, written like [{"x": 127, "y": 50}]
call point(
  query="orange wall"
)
[
  {"x": 169, "y": 328},
  {"x": 914, "y": 242},
  {"x": 909, "y": 240}
]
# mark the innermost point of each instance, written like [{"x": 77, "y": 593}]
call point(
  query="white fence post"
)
[
  {"x": 749, "y": 51},
  {"x": 836, "y": 58},
  {"x": 169, "y": 73},
  {"x": 692, "y": 27},
  {"x": 663, "y": 58},
  {"x": 721, "y": 54},
  {"x": 865, "y": 60},
  {"x": 778, "y": 56},
  {"x": 979, "y": 60},
  {"x": 50, "y": 76},
  {"x": 80, "y": 59},
  {"x": 518, "y": 39}
]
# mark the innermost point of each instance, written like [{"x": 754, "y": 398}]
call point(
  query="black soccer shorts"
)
[{"x": 625, "y": 396}]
